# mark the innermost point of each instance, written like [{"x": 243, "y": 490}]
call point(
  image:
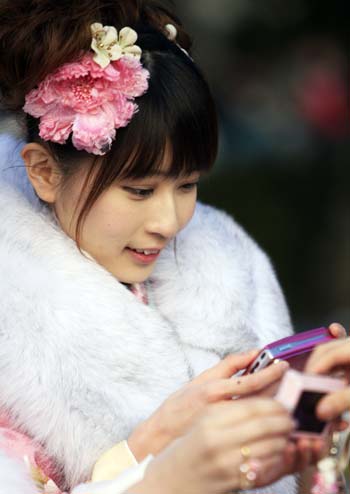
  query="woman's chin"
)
[{"x": 133, "y": 276}]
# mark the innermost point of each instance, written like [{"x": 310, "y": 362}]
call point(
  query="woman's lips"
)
[{"x": 146, "y": 256}]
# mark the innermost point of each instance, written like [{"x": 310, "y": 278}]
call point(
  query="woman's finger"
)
[
  {"x": 304, "y": 454},
  {"x": 265, "y": 448},
  {"x": 254, "y": 383},
  {"x": 226, "y": 368},
  {"x": 289, "y": 458},
  {"x": 319, "y": 449},
  {"x": 334, "y": 404},
  {"x": 270, "y": 390},
  {"x": 226, "y": 415},
  {"x": 258, "y": 428},
  {"x": 226, "y": 389},
  {"x": 270, "y": 471},
  {"x": 329, "y": 356},
  {"x": 267, "y": 468},
  {"x": 337, "y": 330}
]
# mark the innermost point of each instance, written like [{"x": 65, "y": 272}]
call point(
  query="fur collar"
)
[{"x": 66, "y": 322}]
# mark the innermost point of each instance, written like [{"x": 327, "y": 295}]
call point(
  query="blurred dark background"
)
[{"x": 279, "y": 70}]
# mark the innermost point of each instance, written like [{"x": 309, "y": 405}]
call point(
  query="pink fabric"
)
[
  {"x": 21, "y": 447},
  {"x": 140, "y": 292}
]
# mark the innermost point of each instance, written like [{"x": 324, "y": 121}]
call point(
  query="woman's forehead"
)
[{"x": 161, "y": 162}]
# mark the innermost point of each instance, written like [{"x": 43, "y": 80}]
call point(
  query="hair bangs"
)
[{"x": 175, "y": 129}]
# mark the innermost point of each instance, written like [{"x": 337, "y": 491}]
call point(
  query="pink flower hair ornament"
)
[{"x": 93, "y": 97}]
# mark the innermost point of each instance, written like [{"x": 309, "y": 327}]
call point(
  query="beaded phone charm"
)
[{"x": 330, "y": 478}]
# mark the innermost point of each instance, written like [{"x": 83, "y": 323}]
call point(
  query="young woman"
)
[{"x": 117, "y": 288}]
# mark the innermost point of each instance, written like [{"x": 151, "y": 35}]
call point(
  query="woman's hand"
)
[
  {"x": 178, "y": 413},
  {"x": 333, "y": 356},
  {"x": 304, "y": 451},
  {"x": 207, "y": 459}
]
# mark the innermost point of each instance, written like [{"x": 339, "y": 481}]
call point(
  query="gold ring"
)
[{"x": 245, "y": 452}]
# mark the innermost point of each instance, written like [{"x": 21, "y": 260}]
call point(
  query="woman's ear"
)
[{"x": 42, "y": 170}]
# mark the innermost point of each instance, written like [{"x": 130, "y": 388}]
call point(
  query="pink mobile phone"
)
[
  {"x": 295, "y": 349},
  {"x": 300, "y": 394}
]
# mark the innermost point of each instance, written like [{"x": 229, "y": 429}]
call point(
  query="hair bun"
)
[{"x": 38, "y": 36}]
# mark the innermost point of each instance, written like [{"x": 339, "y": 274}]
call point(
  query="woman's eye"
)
[
  {"x": 189, "y": 186},
  {"x": 139, "y": 192}
]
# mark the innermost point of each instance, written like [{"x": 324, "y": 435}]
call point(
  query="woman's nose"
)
[{"x": 164, "y": 220}]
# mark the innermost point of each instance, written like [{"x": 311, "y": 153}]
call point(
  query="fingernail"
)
[{"x": 284, "y": 365}]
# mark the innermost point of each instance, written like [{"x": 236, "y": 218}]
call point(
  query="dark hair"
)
[{"x": 176, "y": 114}]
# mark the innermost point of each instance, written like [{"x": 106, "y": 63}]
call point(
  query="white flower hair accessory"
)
[{"x": 109, "y": 46}]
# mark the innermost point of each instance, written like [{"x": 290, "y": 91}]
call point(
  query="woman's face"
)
[{"x": 131, "y": 222}]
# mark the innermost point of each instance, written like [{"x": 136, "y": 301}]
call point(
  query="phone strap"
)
[{"x": 332, "y": 472}]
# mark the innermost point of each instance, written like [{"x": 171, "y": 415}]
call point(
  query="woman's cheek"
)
[{"x": 189, "y": 212}]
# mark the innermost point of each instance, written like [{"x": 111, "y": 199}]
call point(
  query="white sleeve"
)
[{"x": 120, "y": 484}]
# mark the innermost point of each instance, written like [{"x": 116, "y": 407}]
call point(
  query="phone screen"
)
[{"x": 305, "y": 412}]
